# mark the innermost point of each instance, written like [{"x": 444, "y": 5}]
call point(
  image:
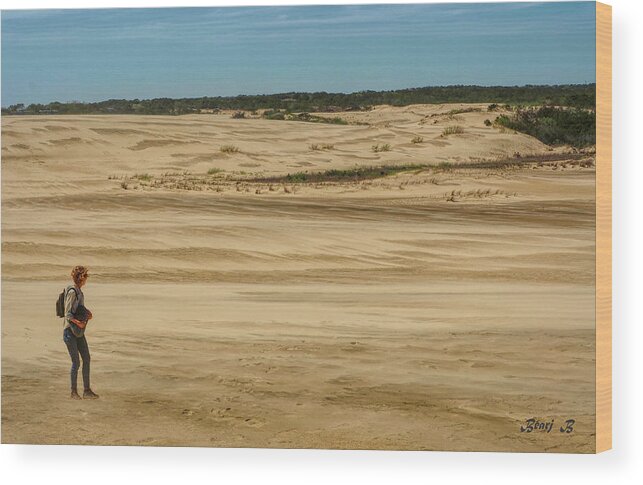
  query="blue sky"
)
[{"x": 92, "y": 55}]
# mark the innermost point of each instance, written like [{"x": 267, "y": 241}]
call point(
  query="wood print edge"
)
[{"x": 603, "y": 227}]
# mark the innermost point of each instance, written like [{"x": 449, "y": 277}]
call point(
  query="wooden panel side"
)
[{"x": 603, "y": 227}]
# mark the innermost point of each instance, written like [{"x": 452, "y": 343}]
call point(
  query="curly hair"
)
[{"x": 78, "y": 273}]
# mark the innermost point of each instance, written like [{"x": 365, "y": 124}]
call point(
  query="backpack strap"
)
[{"x": 71, "y": 287}]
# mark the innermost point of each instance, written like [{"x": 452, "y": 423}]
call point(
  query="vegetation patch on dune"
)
[
  {"x": 458, "y": 111},
  {"x": 219, "y": 181},
  {"x": 305, "y": 117},
  {"x": 145, "y": 144},
  {"x": 341, "y": 175},
  {"x": 143, "y": 176},
  {"x": 554, "y": 125},
  {"x": 379, "y": 171}
]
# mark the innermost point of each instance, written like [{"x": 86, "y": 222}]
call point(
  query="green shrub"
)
[
  {"x": 554, "y": 126},
  {"x": 417, "y": 139},
  {"x": 274, "y": 115}
]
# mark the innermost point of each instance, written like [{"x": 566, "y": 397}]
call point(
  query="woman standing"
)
[{"x": 74, "y": 332}]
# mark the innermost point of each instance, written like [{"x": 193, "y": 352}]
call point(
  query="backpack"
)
[{"x": 60, "y": 303}]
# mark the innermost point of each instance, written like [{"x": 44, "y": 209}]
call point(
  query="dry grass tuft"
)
[
  {"x": 381, "y": 148},
  {"x": 321, "y": 146},
  {"x": 453, "y": 130},
  {"x": 229, "y": 149}
]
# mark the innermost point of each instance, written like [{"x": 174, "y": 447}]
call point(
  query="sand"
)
[{"x": 431, "y": 310}]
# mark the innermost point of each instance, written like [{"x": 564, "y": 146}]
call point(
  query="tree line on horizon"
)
[{"x": 581, "y": 96}]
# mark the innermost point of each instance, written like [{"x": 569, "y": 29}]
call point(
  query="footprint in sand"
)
[
  {"x": 222, "y": 413},
  {"x": 252, "y": 422}
]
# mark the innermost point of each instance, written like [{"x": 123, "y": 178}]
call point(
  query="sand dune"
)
[
  {"x": 432, "y": 309},
  {"x": 118, "y": 145}
]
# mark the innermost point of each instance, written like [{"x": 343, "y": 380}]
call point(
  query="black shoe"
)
[
  {"x": 89, "y": 394},
  {"x": 74, "y": 395}
]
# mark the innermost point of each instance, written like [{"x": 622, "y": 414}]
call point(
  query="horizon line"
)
[{"x": 312, "y": 92}]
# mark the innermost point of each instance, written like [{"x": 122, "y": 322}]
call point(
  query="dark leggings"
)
[{"x": 75, "y": 346}]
